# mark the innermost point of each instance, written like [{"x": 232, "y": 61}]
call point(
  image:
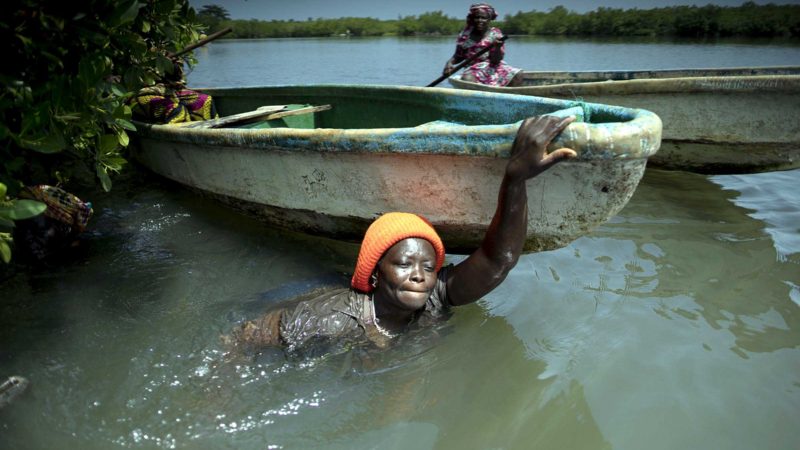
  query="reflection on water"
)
[
  {"x": 772, "y": 197},
  {"x": 678, "y": 311}
]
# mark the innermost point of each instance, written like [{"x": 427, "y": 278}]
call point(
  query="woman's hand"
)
[
  {"x": 496, "y": 54},
  {"x": 448, "y": 67},
  {"x": 499, "y": 252},
  {"x": 529, "y": 155}
]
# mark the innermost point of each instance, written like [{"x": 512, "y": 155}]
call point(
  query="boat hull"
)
[
  {"x": 335, "y": 182},
  {"x": 715, "y": 121}
]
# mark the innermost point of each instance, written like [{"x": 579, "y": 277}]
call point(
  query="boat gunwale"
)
[
  {"x": 687, "y": 72},
  {"x": 675, "y": 85},
  {"x": 426, "y": 138}
]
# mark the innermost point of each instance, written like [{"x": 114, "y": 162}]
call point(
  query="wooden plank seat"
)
[{"x": 262, "y": 114}]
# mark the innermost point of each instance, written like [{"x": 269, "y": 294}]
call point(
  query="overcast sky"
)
[{"x": 391, "y": 9}]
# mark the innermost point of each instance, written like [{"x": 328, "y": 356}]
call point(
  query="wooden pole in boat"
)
[
  {"x": 467, "y": 61},
  {"x": 201, "y": 42}
]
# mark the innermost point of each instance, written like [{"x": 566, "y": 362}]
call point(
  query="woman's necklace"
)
[{"x": 380, "y": 329}]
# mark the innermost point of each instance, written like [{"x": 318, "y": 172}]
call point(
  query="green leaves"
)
[
  {"x": 63, "y": 112},
  {"x": 108, "y": 157},
  {"x": 710, "y": 20},
  {"x": 92, "y": 68},
  {"x": 125, "y": 12},
  {"x": 106, "y": 143},
  {"x": 102, "y": 175},
  {"x": 163, "y": 65},
  {"x": 50, "y": 143},
  {"x": 126, "y": 124},
  {"x": 11, "y": 210},
  {"x": 122, "y": 138},
  {"x": 21, "y": 209},
  {"x": 5, "y": 250}
]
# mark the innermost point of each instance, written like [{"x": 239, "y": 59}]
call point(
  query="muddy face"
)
[{"x": 407, "y": 274}]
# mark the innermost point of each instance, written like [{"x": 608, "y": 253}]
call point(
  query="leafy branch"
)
[
  {"x": 63, "y": 111},
  {"x": 10, "y": 211}
]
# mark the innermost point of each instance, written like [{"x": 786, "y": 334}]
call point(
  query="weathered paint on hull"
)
[
  {"x": 334, "y": 182},
  {"x": 339, "y": 195},
  {"x": 736, "y": 123}
]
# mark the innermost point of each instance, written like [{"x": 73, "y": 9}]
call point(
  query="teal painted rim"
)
[{"x": 636, "y": 135}]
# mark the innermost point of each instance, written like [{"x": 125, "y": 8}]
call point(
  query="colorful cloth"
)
[
  {"x": 159, "y": 104},
  {"x": 482, "y": 69},
  {"x": 382, "y": 234},
  {"x": 61, "y": 205}
]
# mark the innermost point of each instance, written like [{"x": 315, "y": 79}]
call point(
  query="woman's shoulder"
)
[{"x": 326, "y": 313}]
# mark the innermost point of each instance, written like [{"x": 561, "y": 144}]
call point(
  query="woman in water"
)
[
  {"x": 489, "y": 68},
  {"x": 399, "y": 277}
]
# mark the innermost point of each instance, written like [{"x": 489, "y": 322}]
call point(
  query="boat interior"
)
[
  {"x": 269, "y": 116},
  {"x": 266, "y": 109}
]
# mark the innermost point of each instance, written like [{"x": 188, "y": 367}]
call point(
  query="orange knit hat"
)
[{"x": 386, "y": 231}]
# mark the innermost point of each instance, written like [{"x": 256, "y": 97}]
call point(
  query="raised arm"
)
[{"x": 488, "y": 266}]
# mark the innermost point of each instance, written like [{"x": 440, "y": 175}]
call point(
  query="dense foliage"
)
[
  {"x": 748, "y": 19},
  {"x": 64, "y": 116},
  {"x": 427, "y": 23},
  {"x": 68, "y": 69},
  {"x": 212, "y": 15}
]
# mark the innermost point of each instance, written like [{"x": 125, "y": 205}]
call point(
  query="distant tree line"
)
[{"x": 748, "y": 20}]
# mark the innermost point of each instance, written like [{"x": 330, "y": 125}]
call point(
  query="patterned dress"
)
[
  {"x": 482, "y": 68},
  {"x": 159, "y": 104}
]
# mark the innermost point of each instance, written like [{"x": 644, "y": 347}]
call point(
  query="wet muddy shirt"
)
[{"x": 333, "y": 314}]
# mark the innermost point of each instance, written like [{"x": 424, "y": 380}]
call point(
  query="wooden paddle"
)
[
  {"x": 201, "y": 42},
  {"x": 271, "y": 112},
  {"x": 244, "y": 117},
  {"x": 467, "y": 61}
]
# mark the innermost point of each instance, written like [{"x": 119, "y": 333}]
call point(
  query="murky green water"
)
[{"x": 676, "y": 325}]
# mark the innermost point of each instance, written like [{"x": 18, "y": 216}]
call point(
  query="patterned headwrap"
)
[
  {"x": 386, "y": 231},
  {"x": 61, "y": 205},
  {"x": 476, "y": 8}
]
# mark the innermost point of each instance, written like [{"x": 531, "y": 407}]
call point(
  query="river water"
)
[{"x": 674, "y": 325}]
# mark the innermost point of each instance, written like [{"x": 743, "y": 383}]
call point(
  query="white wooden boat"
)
[
  {"x": 373, "y": 149},
  {"x": 734, "y": 120}
]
